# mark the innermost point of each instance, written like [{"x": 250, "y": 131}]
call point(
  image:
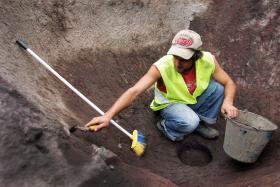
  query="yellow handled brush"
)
[{"x": 138, "y": 140}]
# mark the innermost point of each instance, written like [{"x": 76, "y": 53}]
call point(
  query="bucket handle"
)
[{"x": 240, "y": 124}]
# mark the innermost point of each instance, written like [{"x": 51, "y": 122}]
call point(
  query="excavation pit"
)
[
  {"x": 103, "y": 48},
  {"x": 195, "y": 154}
]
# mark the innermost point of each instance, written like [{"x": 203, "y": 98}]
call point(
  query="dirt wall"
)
[{"x": 104, "y": 47}]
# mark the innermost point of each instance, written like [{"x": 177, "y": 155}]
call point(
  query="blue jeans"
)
[{"x": 181, "y": 119}]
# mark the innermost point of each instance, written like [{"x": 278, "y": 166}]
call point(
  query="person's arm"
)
[
  {"x": 230, "y": 90},
  {"x": 126, "y": 98}
]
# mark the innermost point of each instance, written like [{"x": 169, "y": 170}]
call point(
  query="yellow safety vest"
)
[{"x": 176, "y": 88}]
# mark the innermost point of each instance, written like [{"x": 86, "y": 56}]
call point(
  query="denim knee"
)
[
  {"x": 190, "y": 123},
  {"x": 179, "y": 120},
  {"x": 175, "y": 130},
  {"x": 185, "y": 124}
]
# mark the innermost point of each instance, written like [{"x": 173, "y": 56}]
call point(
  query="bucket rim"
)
[
  {"x": 242, "y": 125},
  {"x": 254, "y": 128}
]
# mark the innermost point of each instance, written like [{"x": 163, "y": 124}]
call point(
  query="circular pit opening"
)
[{"x": 194, "y": 154}]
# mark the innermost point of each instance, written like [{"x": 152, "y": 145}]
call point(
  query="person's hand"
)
[
  {"x": 229, "y": 110},
  {"x": 98, "y": 123}
]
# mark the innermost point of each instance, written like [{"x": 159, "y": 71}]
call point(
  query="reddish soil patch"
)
[{"x": 103, "y": 48}]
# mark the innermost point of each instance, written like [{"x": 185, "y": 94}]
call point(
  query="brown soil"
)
[{"x": 194, "y": 154}]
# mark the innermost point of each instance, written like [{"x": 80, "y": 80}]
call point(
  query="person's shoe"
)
[{"x": 206, "y": 131}]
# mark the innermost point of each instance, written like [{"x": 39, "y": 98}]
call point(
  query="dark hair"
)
[{"x": 197, "y": 55}]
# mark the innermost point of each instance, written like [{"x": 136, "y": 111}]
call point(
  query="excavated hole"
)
[{"x": 194, "y": 154}]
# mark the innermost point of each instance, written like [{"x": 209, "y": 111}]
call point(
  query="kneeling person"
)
[{"x": 190, "y": 90}]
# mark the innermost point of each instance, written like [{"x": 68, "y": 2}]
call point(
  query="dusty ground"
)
[
  {"x": 102, "y": 48},
  {"x": 36, "y": 151}
]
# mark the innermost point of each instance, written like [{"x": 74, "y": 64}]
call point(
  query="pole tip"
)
[{"x": 21, "y": 44}]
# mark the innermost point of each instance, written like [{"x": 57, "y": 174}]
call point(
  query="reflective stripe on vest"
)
[{"x": 176, "y": 88}]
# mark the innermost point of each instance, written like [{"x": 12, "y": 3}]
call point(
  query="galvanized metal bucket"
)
[{"x": 247, "y": 135}]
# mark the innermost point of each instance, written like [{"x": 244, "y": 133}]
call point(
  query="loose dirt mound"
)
[
  {"x": 103, "y": 48},
  {"x": 34, "y": 150}
]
